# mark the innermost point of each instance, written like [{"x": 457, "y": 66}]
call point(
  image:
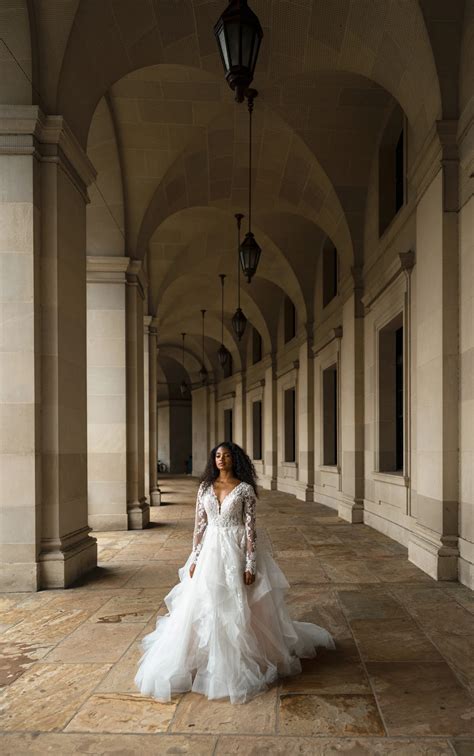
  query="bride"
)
[{"x": 227, "y": 632}]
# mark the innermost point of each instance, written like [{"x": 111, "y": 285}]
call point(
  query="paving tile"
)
[
  {"x": 118, "y": 609},
  {"x": 370, "y": 604},
  {"x": 122, "y": 712},
  {"x": 96, "y": 643},
  {"x": 120, "y": 679},
  {"x": 196, "y": 714},
  {"x": 335, "y": 671},
  {"x": 46, "y": 696},
  {"x": 458, "y": 651},
  {"x": 421, "y": 699},
  {"x": 342, "y": 715},
  {"x": 46, "y": 627},
  {"x": 463, "y": 747},
  {"x": 155, "y": 575},
  {"x": 320, "y": 746},
  {"x": 21, "y": 744},
  {"x": 108, "y": 576},
  {"x": 393, "y": 639},
  {"x": 440, "y": 618},
  {"x": 307, "y": 571},
  {"x": 16, "y": 658},
  {"x": 348, "y": 571}
]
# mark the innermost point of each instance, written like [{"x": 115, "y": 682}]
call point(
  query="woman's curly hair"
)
[{"x": 242, "y": 466}]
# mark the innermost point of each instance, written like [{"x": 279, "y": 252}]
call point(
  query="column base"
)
[
  {"x": 350, "y": 510},
  {"x": 434, "y": 554},
  {"x": 64, "y": 560},
  {"x": 304, "y": 491},
  {"x": 155, "y": 498},
  {"x": 138, "y": 515},
  {"x": 101, "y": 522},
  {"x": 18, "y": 577}
]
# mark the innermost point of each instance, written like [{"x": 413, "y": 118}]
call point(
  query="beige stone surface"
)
[
  {"x": 122, "y": 712},
  {"x": 343, "y": 715},
  {"x": 195, "y": 713},
  {"x": 106, "y": 743},
  {"x": 45, "y": 697},
  {"x": 96, "y": 642}
]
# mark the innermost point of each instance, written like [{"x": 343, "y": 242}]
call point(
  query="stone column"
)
[
  {"x": 240, "y": 416},
  {"x": 351, "y": 505},
  {"x": 305, "y": 411},
  {"x": 155, "y": 492},
  {"x": 137, "y": 506},
  {"x": 201, "y": 428},
  {"x": 44, "y": 173},
  {"x": 270, "y": 424},
  {"x": 146, "y": 403},
  {"x": 20, "y": 350},
  {"x": 433, "y": 545},
  {"x": 106, "y": 393},
  {"x": 67, "y": 550}
]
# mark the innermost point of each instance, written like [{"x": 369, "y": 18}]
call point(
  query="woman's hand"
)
[
  {"x": 249, "y": 578},
  {"x": 191, "y": 569}
]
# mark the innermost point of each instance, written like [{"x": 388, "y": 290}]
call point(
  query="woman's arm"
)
[
  {"x": 250, "y": 502},
  {"x": 200, "y": 525}
]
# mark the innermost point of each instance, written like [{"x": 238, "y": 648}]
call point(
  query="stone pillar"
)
[
  {"x": 155, "y": 492},
  {"x": 44, "y": 173},
  {"x": 201, "y": 428},
  {"x": 305, "y": 413},
  {"x": 240, "y": 415},
  {"x": 20, "y": 350},
  {"x": 67, "y": 550},
  {"x": 146, "y": 404},
  {"x": 270, "y": 424},
  {"x": 433, "y": 545},
  {"x": 106, "y": 393},
  {"x": 137, "y": 506},
  {"x": 350, "y": 506}
]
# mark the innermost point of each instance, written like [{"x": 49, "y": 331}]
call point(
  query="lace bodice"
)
[{"x": 237, "y": 509}]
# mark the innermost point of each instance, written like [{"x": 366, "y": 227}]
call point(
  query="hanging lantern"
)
[
  {"x": 249, "y": 249},
  {"x": 238, "y": 33},
  {"x": 222, "y": 352},
  {"x": 239, "y": 321}
]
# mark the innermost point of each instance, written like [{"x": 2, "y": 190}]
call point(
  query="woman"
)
[{"x": 228, "y": 632}]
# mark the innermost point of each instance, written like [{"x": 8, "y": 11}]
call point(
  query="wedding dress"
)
[{"x": 221, "y": 637}]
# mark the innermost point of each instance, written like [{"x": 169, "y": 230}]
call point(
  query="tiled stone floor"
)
[{"x": 399, "y": 682}]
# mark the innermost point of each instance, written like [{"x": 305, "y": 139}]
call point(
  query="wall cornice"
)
[
  {"x": 403, "y": 263},
  {"x": 136, "y": 276},
  {"x": 106, "y": 269}
]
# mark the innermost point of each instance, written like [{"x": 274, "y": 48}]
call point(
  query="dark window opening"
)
[
  {"x": 391, "y": 170},
  {"x": 329, "y": 273},
  {"x": 290, "y": 425},
  {"x": 391, "y": 404},
  {"x": 228, "y": 425},
  {"x": 289, "y": 319},
  {"x": 257, "y": 429},
  {"x": 228, "y": 367},
  {"x": 330, "y": 416},
  {"x": 256, "y": 346}
]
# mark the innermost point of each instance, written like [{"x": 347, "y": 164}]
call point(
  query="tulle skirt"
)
[{"x": 221, "y": 637}]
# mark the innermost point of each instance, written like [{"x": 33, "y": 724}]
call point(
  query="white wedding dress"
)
[{"x": 221, "y": 637}]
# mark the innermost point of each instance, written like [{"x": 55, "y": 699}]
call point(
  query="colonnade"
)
[{"x": 78, "y": 386}]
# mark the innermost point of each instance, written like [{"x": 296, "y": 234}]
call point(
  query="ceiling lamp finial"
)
[{"x": 249, "y": 249}]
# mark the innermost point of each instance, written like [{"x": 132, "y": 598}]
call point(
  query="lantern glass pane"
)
[
  {"x": 233, "y": 37},
  {"x": 248, "y": 37},
  {"x": 223, "y": 47},
  {"x": 255, "y": 52}
]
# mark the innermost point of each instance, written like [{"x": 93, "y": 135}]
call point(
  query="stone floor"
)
[{"x": 400, "y": 681}]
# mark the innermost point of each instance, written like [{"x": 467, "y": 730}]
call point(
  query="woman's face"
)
[{"x": 224, "y": 459}]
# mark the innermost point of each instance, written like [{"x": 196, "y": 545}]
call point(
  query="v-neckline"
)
[{"x": 220, "y": 503}]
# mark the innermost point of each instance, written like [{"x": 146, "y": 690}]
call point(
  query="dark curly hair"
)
[{"x": 242, "y": 466}]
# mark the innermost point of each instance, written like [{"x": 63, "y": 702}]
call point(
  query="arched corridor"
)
[{"x": 399, "y": 683}]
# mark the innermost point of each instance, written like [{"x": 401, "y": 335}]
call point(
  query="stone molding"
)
[
  {"x": 104, "y": 269},
  {"x": 136, "y": 276},
  {"x": 334, "y": 333},
  {"x": 256, "y": 384},
  {"x": 26, "y": 130},
  {"x": 403, "y": 263},
  {"x": 295, "y": 365},
  {"x": 439, "y": 150}
]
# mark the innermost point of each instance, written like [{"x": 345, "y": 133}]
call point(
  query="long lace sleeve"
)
[
  {"x": 249, "y": 513},
  {"x": 200, "y": 526}
]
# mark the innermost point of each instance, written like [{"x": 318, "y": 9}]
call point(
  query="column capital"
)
[
  {"x": 26, "y": 130},
  {"x": 105, "y": 269},
  {"x": 136, "y": 276},
  {"x": 439, "y": 150}
]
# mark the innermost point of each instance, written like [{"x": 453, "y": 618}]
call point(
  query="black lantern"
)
[
  {"x": 203, "y": 372},
  {"x": 183, "y": 386},
  {"x": 222, "y": 352},
  {"x": 239, "y": 321},
  {"x": 249, "y": 255},
  {"x": 238, "y": 34}
]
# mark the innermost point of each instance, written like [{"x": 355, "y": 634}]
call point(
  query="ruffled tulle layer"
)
[{"x": 220, "y": 637}]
